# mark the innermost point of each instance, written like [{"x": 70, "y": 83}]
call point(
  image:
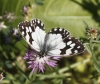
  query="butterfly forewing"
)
[
  {"x": 64, "y": 33},
  {"x": 59, "y": 42},
  {"x": 54, "y": 38},
  {"x": 33, "y": 32}
]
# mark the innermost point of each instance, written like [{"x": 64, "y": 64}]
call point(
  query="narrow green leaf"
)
[
  {"x": 94, "y": 41},
  {"x": 8, "y": 64},
  {"x": 5, "y": 54},
  {"x": 19, "y": 68},
  {"x": 39, "y": 3},
  {"x": 87, "y": 48},
  {"x": 86, "y": 25}
]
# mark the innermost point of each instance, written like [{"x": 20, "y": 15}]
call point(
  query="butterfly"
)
[{"x": 57, "y": 42}]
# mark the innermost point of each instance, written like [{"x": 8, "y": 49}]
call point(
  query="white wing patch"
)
[
  {"x": 38, "y": 37},
  {"x": 54, "y": 43}
]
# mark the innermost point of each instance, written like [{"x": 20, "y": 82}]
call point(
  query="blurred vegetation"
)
[{"x": 70, "y": 14}]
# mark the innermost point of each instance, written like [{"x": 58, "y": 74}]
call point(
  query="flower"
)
[
  {"x": 27, "y": 11},
  {"x": 1, "y": 77},
  {"x": 92, "y": 33},
  {"x": 13, "y": 34},
  {"x": 35, "y": 62},
  {"x": 7, "y": 39},
  {"x": 9, "y": 16},
  {"x": 16, "y": 34},
  {"x": 14, "y": 31},
  {"x": 2, "y": 25}
]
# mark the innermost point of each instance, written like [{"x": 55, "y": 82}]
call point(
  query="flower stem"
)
[
  {"x": 42, "y": 77},
  {"x": 61, "y": 71},
  {"x": 73, "y": 65},
  {"x": 32, "y": 77},
  {"x": 96, "y": 65}
]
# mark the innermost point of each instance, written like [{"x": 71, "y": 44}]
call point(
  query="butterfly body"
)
[
  {"x": 57, "y": 42},
  {"x": 42, "y": 54}
]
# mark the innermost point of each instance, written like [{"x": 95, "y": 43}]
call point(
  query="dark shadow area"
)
[
  {"x": 1, "y": 7},
  {"x": 91, "y": 7}
]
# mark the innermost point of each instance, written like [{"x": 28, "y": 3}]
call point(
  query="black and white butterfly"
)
[{"x": 57, "y": 42}]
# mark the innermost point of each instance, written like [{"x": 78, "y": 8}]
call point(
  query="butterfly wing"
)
[
  {"x": 33, "y": 32},
  {"x": 59, "y": 42}
]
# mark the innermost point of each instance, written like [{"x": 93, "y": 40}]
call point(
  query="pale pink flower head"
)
[{"x": 38, "y": 63}]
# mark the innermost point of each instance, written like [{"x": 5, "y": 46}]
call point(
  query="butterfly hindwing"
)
[
  {"x": 33, "y": 32},
  {"x": 73, "y": 46}
]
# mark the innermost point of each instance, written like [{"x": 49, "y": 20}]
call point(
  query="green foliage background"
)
[{"x": 69, "y": 14}]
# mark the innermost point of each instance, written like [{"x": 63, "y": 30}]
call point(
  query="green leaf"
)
[
  {"x": 86, "y": 25},
  {"x": 8, "y": 64},
  {"x": 39, "y": 2},
  {"x": 64, "y": 13},
  {"x": 87, "y": 48}
]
